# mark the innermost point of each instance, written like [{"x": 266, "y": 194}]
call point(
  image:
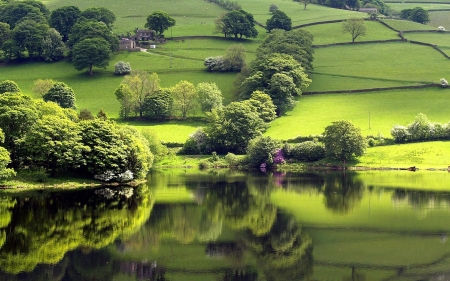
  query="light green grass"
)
[
  {"x": 294, "y": 10},
  {"x": 422, "y": 155},
  {"x": 442, "y": 40},
  {"x": 392, "y": 61},
  {"x": 332, "y": 33},
  {"x": 440, "y": 18},
  {"x": 427, "y": 6},
  {"x": 313, "y": 113},
  {"x": 403, "y": 25}
]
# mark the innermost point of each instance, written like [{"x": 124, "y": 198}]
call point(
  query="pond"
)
[{"x": 231, "y": 225}]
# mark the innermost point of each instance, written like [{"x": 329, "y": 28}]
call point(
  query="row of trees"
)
[
  {"x": 237, "y": 23},
  {"x": 417, "y": 14},
  {"x": 141, "y": 95},
  {"x": 422, "y": 129},
  {"x": 43, "y": 135}
]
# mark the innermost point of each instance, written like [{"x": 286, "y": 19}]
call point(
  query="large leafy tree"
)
[
  {"x": 89, "y": 53},
  {"x": 354, "y": 26},
  {"x": 61, "y": 94},
  {"x": 53, "y": 46},
  {"x": 232, "y": 127},
  {"x": 184, "y": 98},
  {"x": 343, "y": 140},
  {"x": 89, "y": 29},
  {"x": 419, "y": 15},
  {"x": 63, "y": 19},
  {"x": 139, "y": 86},
  {"x": 5, "y": 32},
  {"x": 14, "y": 12},
  {"x": 159, "y": 21},
  {"x": 159, "y": 105},
  {"x": 8, "y": 86},
  {"x": 278, "y": 75},
  {"x": 237, "y": 23},
  {"x": 209, "y": 96},
  {"x": 4, "y": 160},
  {"x": 99, "y": 14},
  {"x": 279, "y": 20},
  {"x": 29, "y": 35}
]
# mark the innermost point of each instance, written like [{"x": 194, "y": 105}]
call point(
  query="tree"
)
[
  {"x": 99, "y": 14},
  {"x": 232, "y": 127},
  {"x": 159, "y": 21},
  {"x": 260, "y": 150},
  {"x": 91, "y": 52},
  {"x": 140, "y": 86},
  {"x": 29, "y": 35},
  {"x": 5, "y": 33},
  {"x": 184, "y": 98},
  {"x": 52, "y": 46},
  {"x": 61, "y": 94},
  {"x": 234, "y": 58},
  {"x": 419, "y": 15},
  {"x": 8, "y": 86},
  {"x": 305, "y": 3},
  {"x": 354, "y": 26},
  {"x": 63, "y": 19},
  {"x": 159, "y": 105},
  {"x": 89, "y": 29},
  {"x": 209, "y": 96},
  {"x": 263, "y": 105},
  {"x": 273, "y": 8},
  {"x": 54, "y": 143},
  {"x": 41, "y": 86},
  {"x": 297, "y": 43},
  {"x": 237, "y": 23},
  {"x": 343, "y": 141},
  {"x": 4, "y": 160},
  {"x": 279, "y": 20},
  {"x": 14, "y": 12},
  {"x": 126, "y": 99}
]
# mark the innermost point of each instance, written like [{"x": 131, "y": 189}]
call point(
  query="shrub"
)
[
  {"x": 421, "y": 128},
  {"x": 122, "y": 68},
  {"x": 272, "y": 8},
  {"x": 9, "y": 86},
  {"x": 85, "y": 114},
  {"x": 214, "y": 63},
  {"x": 400, "y": 133},
  {"x": 260, "y": 151},
  {"x": 371, "y": 142},
  {"x": 444, "y": 83},
  {"x": 308, "y": 151},
  {"x": 232, "y": 159}
]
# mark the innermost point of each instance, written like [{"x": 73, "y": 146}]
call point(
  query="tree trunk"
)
[{"x": 90, "y": 70}]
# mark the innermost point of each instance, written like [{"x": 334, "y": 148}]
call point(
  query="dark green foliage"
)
[
  {"x": 159, "y": 105},
  {"x": 5, "y": 32},
  {"x": 308, "y": 151},
  {"x": 4, "y": 160},
  {"x": 273, "y": 8},
  {"x": 52, "y": 47},
  {"x": 343, "y": 140},
  {"x": 90, "y": 29},
  {"x": 261, "y": 150},
  {"x": 38, "y": 4},
  {"x": 63, "y": 19},
  {"x": 29, "y": 35},
  {"x": 279, "y": 20},
  {"x": 237, "y": 23},
  {"x": 159, "y": 21},
  {"x": 227, "y": 4},
  {"x": 232, "y": 128},
  {"x": 91, "y": 52},
  {"x": 417, "y": 14},
  {"x": 9, "y": 86},
  {"x": 61, "y": 94},
  {"x": 263, "y": 105},
  {"x": 14, "y": 12},
  {"x": 85, "y": 114},
  {"x": 99, "y": 14}
]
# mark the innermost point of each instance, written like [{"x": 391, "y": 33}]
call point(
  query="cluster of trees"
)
[
  {"x": 417, "y": 14},
  {"x": 280, "y": 69},
  {"x": 236, "y": 23},
  {"x": 421, "y": 129},
  {"x": 380, "y": 5},
  {"x": 141, "y": 95},
  {"x": 279, "y": 20},
  {"x": 227, "y": 4},
  {"x": 44, "y": 135},
  {"x": 27, "y": 28}
]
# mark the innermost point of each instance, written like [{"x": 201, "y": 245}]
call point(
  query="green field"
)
[
  {"x": 427, "y": 6},
  {"x": 441, "y": 40},
  {"x": 332, "y": 33},
  {"x": 440, "y": 18},
  {"x": 403, "y": 25},
  {"x": 387, "y": 108}
]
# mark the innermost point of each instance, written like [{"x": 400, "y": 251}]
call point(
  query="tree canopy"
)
[
  {"x": 237, "y": 23},
  {"x": 343, "y": 140},
  {"x": 89, "y": 53},
  {"x": 63, "y": 19},
  {"x": 61, "y": 94},
  {"x": 279, "y": 20},
  {"x": 354, "y": 26},
  {"x": 159, "y": 21}
]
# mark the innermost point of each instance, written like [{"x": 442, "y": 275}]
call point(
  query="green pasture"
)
[
  {"x": 332, "y": 33},
  {"x": 440, "y": 18},
  {"x": 199, "y": 49},
  {"x": 387, "y": 108},
  {"x": 194, "y": 17},
  {"x": 422, "y": 155},
  {"x": 393, "y": 61},
  {"x": 403, "y": 25},
  {"x": 442, "y": 40},
  {"x": 299, "y": 16},
  {"x": 427, "y": 6}
]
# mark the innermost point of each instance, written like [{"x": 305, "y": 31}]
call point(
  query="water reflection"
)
[{"x": 235, "y": 226}]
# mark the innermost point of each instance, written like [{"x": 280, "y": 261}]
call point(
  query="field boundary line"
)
[
  {"x": 430, "y": 85},
  {"x": 360, "y": 42}
]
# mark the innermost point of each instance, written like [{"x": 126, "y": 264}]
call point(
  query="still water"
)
[{"x": 229, "y": 225}]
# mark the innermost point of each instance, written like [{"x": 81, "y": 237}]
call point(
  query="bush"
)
[
  {"x": 214, "y": 63},
  {"x": 232, "y": 159},
  {"x": 421, "y": 128},
  {"x": 308, "y": 151},
  {"x": 444, "y": 83},
  {"x": 272, "y": 8},
  {"x": 260, "y": 150},
  {"x": 122, "y": 68},
  {"x": 400, "y": 133},
  {"x": 9, "y": 86}
]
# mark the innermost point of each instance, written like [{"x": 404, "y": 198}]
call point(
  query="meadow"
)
[
  {"x": 441, "y": 40},
  {"x": 440, "y": 18},
  {"x": 404, "y": 25}
]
